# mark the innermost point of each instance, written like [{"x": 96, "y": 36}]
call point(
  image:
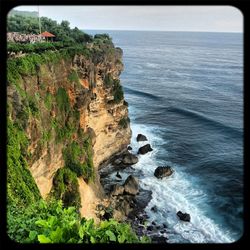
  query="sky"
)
[{"x": 157, "y": 18}]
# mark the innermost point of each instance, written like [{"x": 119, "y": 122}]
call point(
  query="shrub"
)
[
  {"x": 48, "y": 100},
  {"x": 21, "y": 187},
  {"x": 33, "y": 107},
  {"x": 62, "y": 100},
  {"x": 108, "y": 80},
  {"x": 50, "y": 222},
  {"x": 79, "y": 159},
  {"x": 73, "y": 77},
  {"x": 66, "y": 188},
  {"x": 117, "y": 91},
  {"x": 123, "y": 123}
]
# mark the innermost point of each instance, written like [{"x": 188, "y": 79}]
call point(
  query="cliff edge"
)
[{"x": 69, "y": 105}]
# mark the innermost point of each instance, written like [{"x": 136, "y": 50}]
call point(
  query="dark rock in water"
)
[
  {"x": 131, "y": 185},
  {"x": 159, "y": 239},
  {"x": 118, "y": 175},
  {"x": 116, "y": 190},
  {"x": 154, "y": 209},
  {"x": 153, "y": 223},
  {"x": 150, "y": 228},
  {"x": 129, "y": 159},
  {"x": 141, "y": 137},
  {"x": 161, "y": 172},
  {"x": 164, "y": 225},
  {"x": 145, "y": 149},
  {"x": 184, "y": 216},
  {"x": 129, "y": 148}
]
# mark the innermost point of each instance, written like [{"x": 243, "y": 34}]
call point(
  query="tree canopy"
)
[{"x": 62, "y": 31}]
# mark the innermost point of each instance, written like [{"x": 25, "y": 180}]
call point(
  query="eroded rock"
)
[
  {"x": 161, "y": 172},
  {"x": 129, "y": 159},
  {"x": 131, "y": 185},
  {"x": 145, "y": 149},
  {"x": 116, "y": 190},
  {"x": 141, "y": 137},
  {"x": 183, "y": 216}
]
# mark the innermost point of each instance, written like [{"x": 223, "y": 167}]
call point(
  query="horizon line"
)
[{"x": 197, "y": 31}]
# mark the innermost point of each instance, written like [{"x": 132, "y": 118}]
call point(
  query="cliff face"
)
[{"x": 72, "y": 100}]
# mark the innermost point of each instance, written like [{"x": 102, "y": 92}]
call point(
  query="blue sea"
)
[{"x": 185, "y": 93}]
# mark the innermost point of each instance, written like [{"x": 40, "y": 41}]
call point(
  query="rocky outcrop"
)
[
  {"x": 129, "y": 159},
  {"x": 183, "y": 216},
  {"x": 145, "y": 149},
  {"x": 141, "y": 137},
  {"x": 161, "y": 172},
  {"x": 116, "y": 190},
  {"x": 131, "y": 185}
]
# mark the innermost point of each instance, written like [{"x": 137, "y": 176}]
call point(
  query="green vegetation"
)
[
  {"x": 46, "y": 136},
  {"x": 62, "y": 100},
  {"x": 123, "y": 123},
  {"x": 79, "y": 159},
  {"x": 117, "y": 91},
  {"x": 73, "y": 77},
  {"x": 50, "y": 222},
  {"x": 48, "y": 101},
  {"x": 33, "y": 107},
  {"x": 108, "y": 80},
  {"x": 30, "y": 64},
  {"x": 21, "y": 187},
  {"x": 62, "y": 31},
  {"x": 29, "y": 218},
  {"x": 66, "y": 188},
  {"x": 36, "y": 47}
]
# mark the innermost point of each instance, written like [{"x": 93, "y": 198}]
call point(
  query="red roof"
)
[{"x": 47, "y": 34}]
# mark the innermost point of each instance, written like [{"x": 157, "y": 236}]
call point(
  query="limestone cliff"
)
[{"x": 74, "y": 98}]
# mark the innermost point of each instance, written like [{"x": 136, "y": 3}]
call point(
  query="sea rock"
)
[
  {"x": 161, "y": 172},
  {"x": 141, "y": 137},
  {"x": 145, "y": 149},
  {"x": 129, "y": 159},
  {"x": 184, "y": 216},
  {"x": 150, "y": 228},
  {"x": 118, "y": 175},
  {"x": 154, "y": 209},
  {"x": 131, "y": 185},
  {"x": 129, "y": 148},
  {"x": 116, "y": 190},
  {"x": 158, "y": 239}
]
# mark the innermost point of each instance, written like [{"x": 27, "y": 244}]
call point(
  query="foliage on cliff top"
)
[
  {"x": 49, "y": 222},
  {"x": 36, "y": 47},
  {"x": 62, "y": 31}
]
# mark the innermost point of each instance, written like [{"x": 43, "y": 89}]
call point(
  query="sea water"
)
[{"x": 185, "y": 93}]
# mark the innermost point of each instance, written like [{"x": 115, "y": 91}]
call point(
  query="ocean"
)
[{"x": 185, "y": 93}]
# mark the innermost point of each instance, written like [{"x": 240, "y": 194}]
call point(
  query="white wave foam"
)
[
  {"x": 177, "y": 192},
  {"x": 152, "y": 65}
]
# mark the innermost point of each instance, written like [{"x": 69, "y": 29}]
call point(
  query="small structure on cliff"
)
[{"x": 47, "y": 36}]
